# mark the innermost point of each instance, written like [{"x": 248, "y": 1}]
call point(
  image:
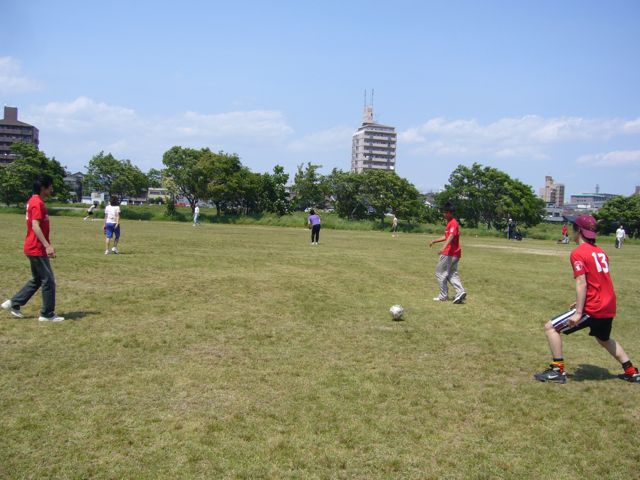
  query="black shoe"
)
[
  {"x": 551, "y": 374},
  {"x": 635, "y": 378}
]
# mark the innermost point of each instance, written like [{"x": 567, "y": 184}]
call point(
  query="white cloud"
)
[
  {"x": 332, "y": 139},
  {"x": 527, "y": 137},
  {"x": 13, "y": 80},
  {"x": 611, "y": 159}
]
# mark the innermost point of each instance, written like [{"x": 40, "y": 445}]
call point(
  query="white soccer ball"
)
[{"x": 396, "y": 312}]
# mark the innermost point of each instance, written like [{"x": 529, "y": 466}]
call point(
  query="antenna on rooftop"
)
[
  {"x": 372, "y": 93},
  {"x": 365, "y": 98},
  {"x": 597, "y": 188}
]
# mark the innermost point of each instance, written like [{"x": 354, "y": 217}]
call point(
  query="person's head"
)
[
  {"x": 114, "y": 200},
  {"x": 620, "y": 227},
  {"x": 584, "y": 227},
  {"x": 43, "y": 185},
  {"x": 312, "y": 212},
  {"x": 448, "y": 210}
]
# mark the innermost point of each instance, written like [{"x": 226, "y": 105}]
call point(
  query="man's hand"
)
[
  {"x": 51, "y": 253},
  {"x": 575, "y": 318},
  {"x": 431, "y": 244},
  {"x": 572, "y": 306}
]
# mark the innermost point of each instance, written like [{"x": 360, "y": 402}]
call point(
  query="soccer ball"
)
[{"x": 396, "y": 312}]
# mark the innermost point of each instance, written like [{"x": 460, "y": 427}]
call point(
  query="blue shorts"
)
[{"x": 110, "y": 229}]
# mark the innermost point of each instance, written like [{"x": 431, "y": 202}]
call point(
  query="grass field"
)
[{"x": 244, "y": 352}]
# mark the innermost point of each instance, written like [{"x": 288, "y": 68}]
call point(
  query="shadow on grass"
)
[
  {"x": 78, "y": 315},
  {"x": 591, "y": 372}
]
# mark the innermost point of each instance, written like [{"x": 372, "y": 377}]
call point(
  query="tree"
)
[
  {"x": 490, "y": 196},
  {"x": 154, "y": 178},
  {"x": 309, "y": 187},
  {"x": 273, "y": 192},
  {"x": 184, "y": 173},
  {"x": 16, "y": 178},
  {"x": 620, "y": 211},
  {"x": 105, "y": 173}
]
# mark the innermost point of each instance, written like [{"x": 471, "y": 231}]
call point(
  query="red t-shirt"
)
[
  {"x": 591, "y": 261},
  {"x": 453, "y": 249},
  {"x": 36, "y": 210}
]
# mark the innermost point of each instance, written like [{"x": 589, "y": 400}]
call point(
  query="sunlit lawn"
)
[{"x": 244, "y": 352}]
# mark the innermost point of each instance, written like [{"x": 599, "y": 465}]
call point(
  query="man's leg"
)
[
  {"x": 442, "y": 272},
  {"x": 454, "y": 276},
  {"x": 48, "y": 287},
  {"x": 24, "y": 295},
  {"x": 554, "y": 339},
  {"x": 555, "y": 372}
]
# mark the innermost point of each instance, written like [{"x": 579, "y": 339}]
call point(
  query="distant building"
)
[
  {"x": 552, "y": 193},
  {"x": 637, "y": 190},
  {"x": 13, "y": 131},
  {"x": 373, "y": 145},
  {"x": 75, "y": 182},
  {"x": 158, "y": 194}
]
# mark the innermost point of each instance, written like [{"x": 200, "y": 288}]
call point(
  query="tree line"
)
[{"x": 481, "y": 195}]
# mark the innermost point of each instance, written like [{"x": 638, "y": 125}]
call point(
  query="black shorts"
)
[{"x": 598, "y": 327}]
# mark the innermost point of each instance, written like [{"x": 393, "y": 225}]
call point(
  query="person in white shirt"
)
[
  {"x": 90, "y": 211},
  {"x": 620, "y": 236},
  {"x": 112, "y": 224},
  {"x": 196, "y": 214}
]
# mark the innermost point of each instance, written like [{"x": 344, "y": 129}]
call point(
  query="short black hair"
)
[
  {"x": 312, "y": 212},
  {"x": 114, "y": 200},
  {"x": 41, "y": 181},
  {"x": 448, "y": 207}
]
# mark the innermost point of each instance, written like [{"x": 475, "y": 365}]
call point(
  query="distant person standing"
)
[
  {"x": 38, "y": 250},
  {"x": 620, "y": 236},
  {"x": 565, "y": 234},
  {"x": 314, "y": 225},
  {"x": 112, "y": 224},
  {"x": 447, "y": 268},
  {"x": 394, "y": 226},
  {"x": 510, "y": 228},
  {"x": 196, "y": 216},
  {"x": 90, "y": 211}
]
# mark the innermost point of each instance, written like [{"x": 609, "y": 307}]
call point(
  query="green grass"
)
[{"x": 232, "y": 351}]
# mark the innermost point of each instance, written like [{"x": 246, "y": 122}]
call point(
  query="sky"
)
[{"x": 531, "y": 88}]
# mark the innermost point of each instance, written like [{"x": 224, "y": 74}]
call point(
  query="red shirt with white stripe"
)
[
  {"x": 591, "y": 261},
  {"x": 36, "y": 210},
  {"x": 453, "y": 249}
]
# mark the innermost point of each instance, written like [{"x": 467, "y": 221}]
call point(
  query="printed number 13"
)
[{"x": 601, "y": 265}]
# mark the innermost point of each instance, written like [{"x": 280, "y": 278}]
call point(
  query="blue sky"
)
[{"x": 532, "y": 88}]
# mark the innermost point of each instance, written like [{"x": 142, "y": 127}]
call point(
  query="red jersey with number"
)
[
  {"x": 452, "y": 230},
  {"x": 591, "y": 261},
  {"x": 36, "y": 210}
]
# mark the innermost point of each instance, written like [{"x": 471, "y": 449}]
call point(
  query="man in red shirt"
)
[
  {"x": 38, "y": 250},
  {"x": 595, "y": 305},
  {"x": 447, "y": 268}
]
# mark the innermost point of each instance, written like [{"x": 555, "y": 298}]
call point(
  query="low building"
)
[{"x": 75, "y": 182}]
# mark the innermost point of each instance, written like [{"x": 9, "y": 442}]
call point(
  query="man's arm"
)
[
  {"x": 581, "y": 296},
  {"x": 35, "y": 225}
]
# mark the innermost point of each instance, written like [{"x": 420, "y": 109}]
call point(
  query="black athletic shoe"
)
[
  {"x": 460, "y": 298},
  {"x": 635, "y": 378},
  {"x": 551, "y": 374}
]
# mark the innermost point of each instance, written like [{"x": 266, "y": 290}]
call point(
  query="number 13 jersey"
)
[{"x": 591, "y": 261}]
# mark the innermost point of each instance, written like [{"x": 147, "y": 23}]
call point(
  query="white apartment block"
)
[
  {"x": 373, "y": 145},
  {"x": 552, "y": 192}
]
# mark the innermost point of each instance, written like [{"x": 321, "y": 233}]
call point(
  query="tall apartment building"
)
[
  {"x": 12, "y": 131},
  {"x": 373, "y": 145},
  {"x": 552, "y": 192}
]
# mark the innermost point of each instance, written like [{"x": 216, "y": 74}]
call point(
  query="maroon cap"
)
[{"x": 587, "y": 225}]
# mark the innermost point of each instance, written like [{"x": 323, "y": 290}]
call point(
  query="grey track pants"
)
[
  {"x": 447, "y": 272},
  {"x": 42, "y": 276}
]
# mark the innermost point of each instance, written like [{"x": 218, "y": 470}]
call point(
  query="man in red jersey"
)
[
  {"x": 447, "y": 268},
  {"x": 38, "y": 250},
  {"x": 595, "y": 305}
]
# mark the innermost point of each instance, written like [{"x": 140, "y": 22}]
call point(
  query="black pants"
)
[
  {"x": 315, "y": 233},
  {"x": 42, "y": 277}
]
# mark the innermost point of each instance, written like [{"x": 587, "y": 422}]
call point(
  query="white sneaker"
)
[
  {"x": 7, "y": 305},
  {"x": 106, "y": 252},
  {"x": 55, "y": 318},
  {"x": 438, "y": 299},
  {"x": 460, "y": 297},
  {"x": 114, "y": 250}
]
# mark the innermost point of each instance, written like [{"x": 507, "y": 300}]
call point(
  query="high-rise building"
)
[
  {"x": 12, "y": 131},
  {"x": 373, "y": 145},
  {"x": 552, "y": 192},
  {"x": 637, "y": 190}
]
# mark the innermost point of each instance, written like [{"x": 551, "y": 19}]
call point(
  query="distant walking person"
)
[
  {"x": 314, "y": 225},
  {"x": 38, "y": 250},
  {"x": 394, "y": 226},
  {"x": 447, "y": 268},
  {"x": 595, "y": 305},
  {"x": 112, "y": 224},
  {"x": 196, "y": 216},
  {"x": 620, "y": 236},
  {"x": 90, "y": 211}
]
